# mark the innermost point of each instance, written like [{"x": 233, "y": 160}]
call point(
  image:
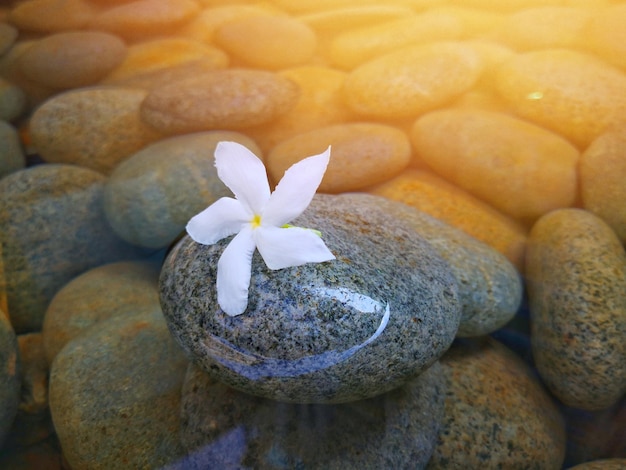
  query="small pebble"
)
[
  {"x": 12, "y": 101},
  {"x": 47, "y": 16},
  {"x": 72, "y": 59},
  {"x": 519, "y": 168},
  {"x": 412, "y": 80},
  {"x": 11, "y": 153},
  {"x": 75, "y": 127},
  {"x": 9, "y": 376},
  {"x": 607, "y": 464},
  {"x": 223, "y": 99},
  {"x": 497, "y": 415},
  {"x": 150, "y": 197},
  {"x": 605, "y": 36},
  {"x": 8, "y": 35},
  {"x": 363, "y": 154},
  {"x": 346, "y": 18},
  {"x": 576, "y": 279}
]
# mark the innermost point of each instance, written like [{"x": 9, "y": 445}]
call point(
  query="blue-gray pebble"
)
[
  {"x": 332, "y": 332},
  {"x": 224, "y": 428}
]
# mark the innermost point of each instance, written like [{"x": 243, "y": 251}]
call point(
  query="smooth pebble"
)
[
  {"x": 606, "y": 464},
  {"x": 11, "y": 153},
  {"x": 8, "y": 35},
  {"x": 9, "y": 376},
  {"x": 576, "y": 280},
  {"x": 12, "y": 101},
  {"x": 47, "y": 16},
  {"x": 605, "y": 36}
]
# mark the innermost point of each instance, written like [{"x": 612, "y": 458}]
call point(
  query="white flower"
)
[{"x": 259, "y": 219}]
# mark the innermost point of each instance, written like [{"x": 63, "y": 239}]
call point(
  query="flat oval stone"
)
[
  {"x": 72, "y": 59},
  {"x": 121, "y": 288},
  {"x": 259, "y": 41},
  {"x": 53, "y": 229},
  {"x": 578, "y": 314},
  {"x": 411, "y": 81},
  {"x": 574, "y": 94},
  {"x": 46, "y": 16},
  {"x": 602, "y": 171},
  {"x": 91, "y": 127},
  {"x": 11, "y": 154},
  {"x": 143, "y": 18},
  {"x": 435, "y": 196},
  {"x": 150, "y": 197},
  {"x": 522, "y": 169},
  {"x": 497, "y": 415},
  {"x": 10, "y": 380},
  {"x": 356, "y": 46},
  {"x": 115, "y": 395},
  {"x": 490, "y": 288},
  {"x": 349, "y": 17},
  {"x": 223, "y": 99},
  {"x": 363, "y": 154},
  {"x": 224, "y": 428},
  {"x": 334, "y": 332}
]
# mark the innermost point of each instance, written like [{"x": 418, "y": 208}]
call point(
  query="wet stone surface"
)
[{"x": 333, "y": 332}]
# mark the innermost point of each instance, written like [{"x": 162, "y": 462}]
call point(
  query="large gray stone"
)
[
  {"x": 318, "y": 333},
  {"x": 224, "y": 428}
]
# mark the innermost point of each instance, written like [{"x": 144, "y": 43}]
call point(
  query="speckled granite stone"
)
[
  {"x": 52, "y": 228},
  {"x": 576, "y": 270},
  {"x": 317, "y": 333},
  {"x": 490, "y": 288},
  {"x": 9, "y": 376},
  {"x": 224, "y": 428},
  {"x": 101, "y": 293},
  {"x": 497, "y": 415},
  {"x": 150, "y": 197},
  {"x": 115, "y": 395},
  {"x": 607, "y": 464}
]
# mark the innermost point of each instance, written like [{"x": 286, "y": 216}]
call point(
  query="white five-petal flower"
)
[{"x": 259, "y": 220}]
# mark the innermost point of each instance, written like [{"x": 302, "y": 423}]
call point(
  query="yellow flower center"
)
[{"x": 256, "y": 221}]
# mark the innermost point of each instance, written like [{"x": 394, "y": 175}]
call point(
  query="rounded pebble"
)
[
  {"x": 144, "y": 18},
  {"x": 574, "y": 94},
  {"x": 604, "y": 35},
  {"x": 8, "y": 35},
  {"x": 45, "y": 16},
  {"x": 261, "y": 41},
  {"x": 602, "y": 171},
  {"x": 101, "y": 293},
  {"x": 334, "y": 332},
  {"x": 578, "y": 314},
  {"x": 354, "y": 47},
  {"x": 224, "y": 428},
  {"x": 11, "y": 153},
  {"x": 435, "y": 196},
  {"x": 53, "y": 228},
  {"x": 75, "y": 127},
  {"x": 72, "y": 59},
  {"x": 349, "y": 17},
  {"x": 115, "y": 395},
  {"x": 10, "y": 381},
  {"x": 362, "y": 154},
  {"x": 412, "y": 80},
  {"x": 497, "y": 415},
  {"x": 517, "y": 167},
  {"x": 223, "y": 99},
  {"x": 150, "y": 197},
  {"x": 606, "y": 464},
  {"x": 12, "y": 101}
]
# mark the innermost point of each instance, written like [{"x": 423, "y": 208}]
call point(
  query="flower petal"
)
[
  {"x": 244, "y": 174},
  {"x": 296, "y": 189},
  {"x": 224, "y": 217},
  {"x": 286, "y": 247},
  {"x": 233, "y": 273}
]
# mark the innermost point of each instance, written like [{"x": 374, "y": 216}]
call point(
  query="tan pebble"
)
[
  {"x": 143, "y": 18},
  {"x": 157, "y": 54},
  {"x": 605, "y": 35},
  {"x": 603, "y": 180},
  {"x": 514, "y": 5},
  {"x": 355, "y": 47},
  {"x": 8, "y": 35},
  {"x": 543, "y": 27},
  {"x": 92, "y": 127},
  {"x": 270, "y": 42},
  {"x": 311, "y": 6},
  {"x": 223, "y": 99},
  {"x": 444, "y": 201},
  {"x": 576, "y": 279},
  {"x": 362, "y": 154},
  {"x": 412, "y": 81},
  {"x": 52, "y": 15},
  {"x": 574, "y": 94},
  {"x": 11, "y": 152},
  {"x": 475, "y": 23},
  {"x": 602, "y": 464},
  {"x": 319, "y": 105},
  {"x": 203, "y": 26},
  {"x": 72, "y": 59},
  {"x": 342, "y": 19},
  {"x": 517, "y": 167}
]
